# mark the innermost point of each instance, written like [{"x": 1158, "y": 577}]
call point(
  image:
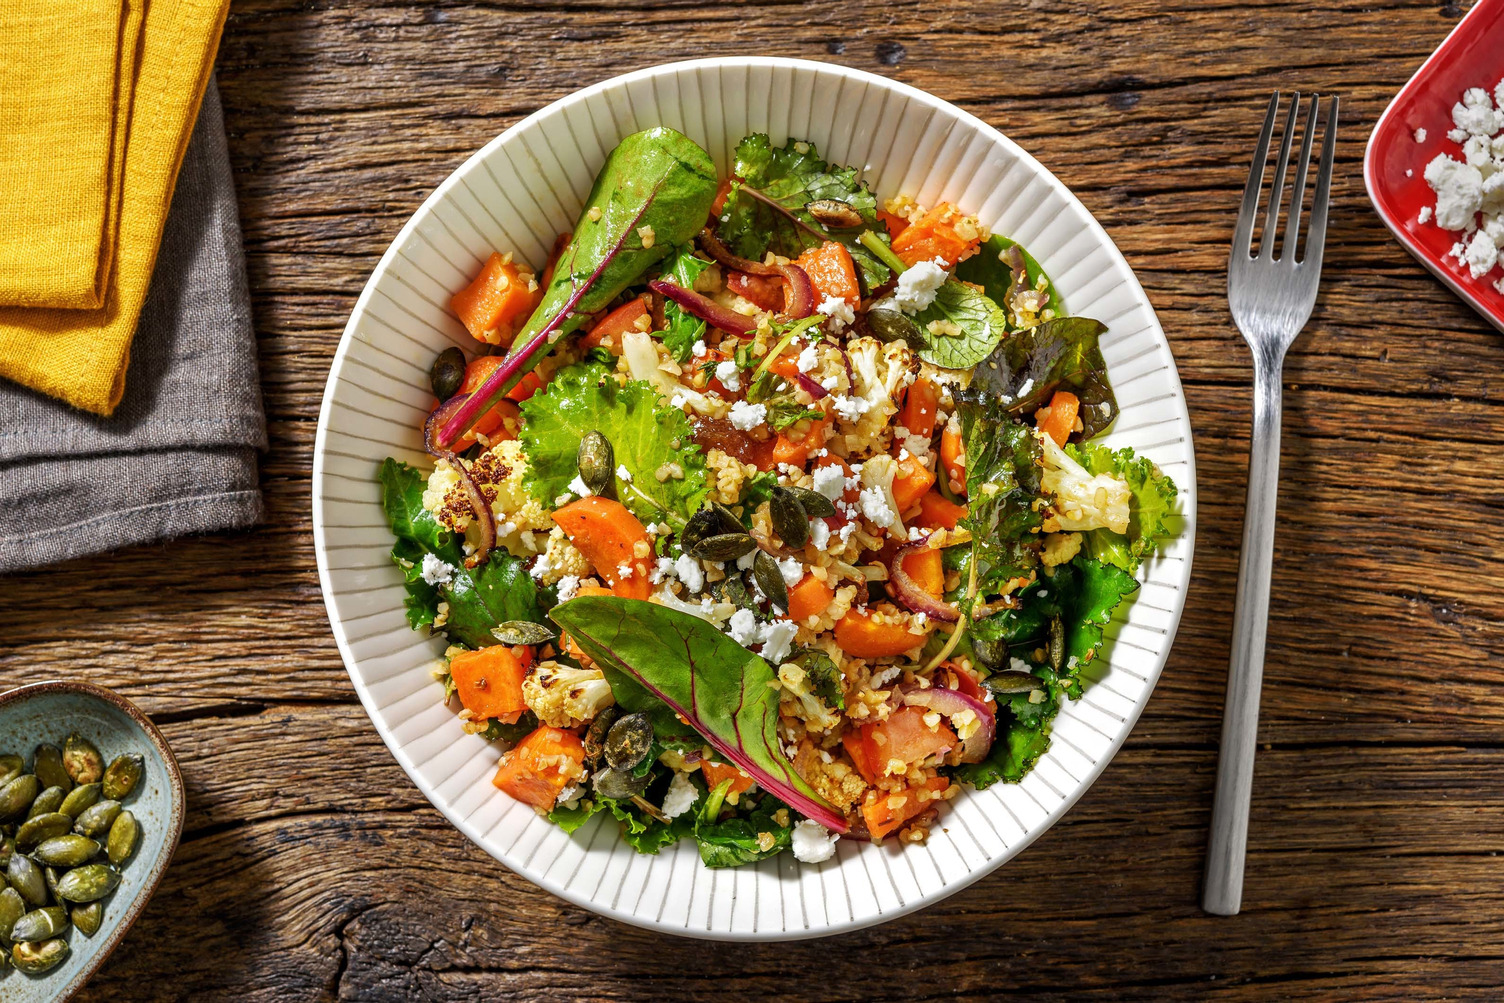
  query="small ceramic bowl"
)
[{"x": 48, "y": 712}]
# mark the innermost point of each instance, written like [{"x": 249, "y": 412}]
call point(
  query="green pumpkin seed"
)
[
  {"x": 1057, "y": 643},
  {"x": 511, "y": 632},
  {"x": 597, "y": 462},
  {"x": 891, "y": 325},
  {"x": 37, "y": 830},
  {"x": 765, "y": 572},
  {"x": 43, "y": 956},
  {"x": 80, "y": 799},
  {"x": 50, "y": 876},
  {"x": 97, "y": 819},
  {"x": 88, "y": 883},
  {"x": 789, "y": 520},
  {"x": 11, "y": 767},
  {"x": 447, "y": 374},
  {"x": 50, "y": 800},
  {"x": 16, "y": 797},
  {"x": 729, "y": 522},
  {"x": 121, "y": 842},
  {"x": 1005, "y": 684},
  {"x": 724, "y": 547},
  {"x": 40, "y": 924},
  {"x": 26, "y": 877},
  {"x": 82, "y": 760},
  {"x": 47, "y": 764},
  {"x": 12, "y": 908},
  {"x": 594, "y": 741},
  {"x": 66, "y": 851},
  {"x": 816, "y": 505},
  {"x": 7, "y": 847},
  {"x": 122, "y": 776},
  {"x": 629, "y": 741},
  {"x": 619, "y": 785},
  {"x": 87, "y": 917},
  {"x": 701, "y": 526},
  {"x": 834, "y": 213}
]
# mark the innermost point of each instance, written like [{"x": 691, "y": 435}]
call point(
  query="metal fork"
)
[{"x": 1271, "y": 299}]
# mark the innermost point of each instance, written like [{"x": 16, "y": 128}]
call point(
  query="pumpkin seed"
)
[
  {"x": 816, "y": 505},
  {"x": 50, "y": 876},
  {"x": 7, "y": 847},
  {"x": 47, "y": 764},
  {"x": 17, "y": 796},
  {"x": 834, "y": 213},
  {"x": 703, "y": 524},
  {"x": 123, "y": 775},
  {"x": 629, "y": 741},
  {"x": 1004, "y": 684},
  {"x": 82, "y": 760},
  {"x": 11, "y": 767},
  {"x": 789, "y": 520},
  {"x": 891, "y": 325},
  {"x": 43, "y": 956},
  {"x": 993, "y": 654},
  {"x": 765, "y": 572},
  {"x": 40, "y": 924},
  {"x": 597, "y": 462},
  {"x": 49, "y": 800},
  {"x": 511, "y": 632},
  {"x": 87, "y": 917},
  {"x": 594, "y": 741},
  {"x": 12, "y": 908},
  {"x": 729, "y": 522},
  {"x": 1057, "y": 643},
  {"x": 724, "y": 547},
  {"x": 121, "y": 842},
  {"x": 619, "y": 785},
  {"x": 80, "y": 799},
  {"x": 88, "y": 883},
  {"x": 97, "y": 819},
  {"x": 26, "y": 877},
  {"x": 447, "y": 374},
  {"x": 66, "y": 851},
  {"x": 40, "y": 828}
]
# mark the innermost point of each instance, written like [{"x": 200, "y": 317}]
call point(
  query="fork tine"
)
[
  {"x": 1277, "y": 188},
  {"x": 1297, "y": 201},
  {"x": 1242, "y": 234},
  {"x": 1316, "y": 239}
]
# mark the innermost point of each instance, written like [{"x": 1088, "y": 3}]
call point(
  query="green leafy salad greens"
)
[{"x": 688, "y": 701}]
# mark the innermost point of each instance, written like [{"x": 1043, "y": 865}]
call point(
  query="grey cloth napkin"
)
[{"x": 179, "y": 454}]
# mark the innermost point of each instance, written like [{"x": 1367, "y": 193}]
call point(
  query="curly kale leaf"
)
[
  {"x": 1152, "y": 504},
  {"x": 1002, "y": 483}
]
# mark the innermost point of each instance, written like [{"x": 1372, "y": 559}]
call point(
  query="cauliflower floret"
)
[
  {"x": 877, "y": 502},
  {"x": 566, "y": 697},
  {"x": 802, "y": 703},
  {"x": 562, "y": 560},
  {"x": 502, "y": 473},
  {"x": 881, "y": 371},
  {"x": 1079, "y": 501},
  {"x": 1060, "y": 548}
]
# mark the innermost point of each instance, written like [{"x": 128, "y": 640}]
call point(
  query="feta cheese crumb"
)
[
  {"x": 681, "y": 796},
  {"x": 690, "y": 572},
  {"x": 830, "y": 481},
  {"x": 568, "y": 586},
  {"x": 852, "y": 408},
  {"x": 1425, "y": 215},
  {"x": 791, "y": 570},
  {"x": 917, "y": 287},
  {"x": 1459, "y": 191},
  {"x": 729, "y": 375},
  {"x": 623, "y": 473},
  {"x": 1420, "y": 135},
  {"x": 808, "y": 359},
  {"x": 699, "y": 350},
  {"x": 435, "y": 571},
  {"x": 819, "y": 533},
  {"x": 742, "y": 627},
  {"x": 777, "y": 640},
  {"x": 746, "y": 417},
  {"x": 839, "y": 312},
  {"x": 1481, "y": 255},
  {"x": 577, "y": 486},
  {"x": 874, "y": 503}
]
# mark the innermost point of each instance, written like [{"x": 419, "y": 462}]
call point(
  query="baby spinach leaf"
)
[
  {"x": 681, "y": 328},
  {"x": 725, "y": 692},
  {"x": 741, "y": 839},
  {"x": 1002, "y": 483},
  {"x": 988, "y": 269},
  {"x": 653, "y": 194},
  {"x": 479, "y": 598},
  {"x": 766, "y": 210},
  {"x": 982, "y": 324},
  {"x": 1153, "y": 502},
  {"x": 644, "y": 432},
  {"x": 1061, "y": 354}
]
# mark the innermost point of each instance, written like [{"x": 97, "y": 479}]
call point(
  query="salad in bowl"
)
[{"x": 767, "y": 512}]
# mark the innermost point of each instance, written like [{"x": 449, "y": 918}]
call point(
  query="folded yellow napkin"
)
[{"x": 97, "y": 101}]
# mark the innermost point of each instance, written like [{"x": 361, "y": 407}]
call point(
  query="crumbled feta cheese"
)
[
  {"x": 729, "y": 375},
  {"x": 918, "y": 285},
  {"x": 542, "y": 566},
  {"x": 690, "y": 572},
  {"x": 577, "y": 486},
  {"x": 839, "y": 312},
  {"x": 819, "y": 533},
  {"x": 1420, "y": 135},
  {"x": 874, "y": 503},
  {"x": 1424, "y": 215},
  {"x": 808, "y": 359},
  {"x": 852, "y": 408},
  {"x": 744, "y": 562},
  {"x": 568, "y": 586},
  {"x": 678, "y": 401},
  {"x": 1459, "y": 191},
  {"x": 746, "y": 417},
  {"x": 742, "y": 627},
  {"x": 777, "y": 640},
  {"x": 846, "y": 531},
  {"x": 663, "y": 569},
  {"x": 699, "y": 350},
  {"x": 830, "y": 481},
  {"x": 680, "y": 797},
  {"x": 791, "y": 570},
  {"x": 1481, "y": 255},
  {"x": 623, "y": 473},
  {"x": 436, "y": 571},
  {"x": 624, "y": 570}
]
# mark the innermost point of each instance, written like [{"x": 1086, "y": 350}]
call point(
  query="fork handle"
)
[{"x": 1228, "y": 843}]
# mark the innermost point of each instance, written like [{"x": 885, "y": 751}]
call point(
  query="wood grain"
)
[{"x": 312, "y": 869}]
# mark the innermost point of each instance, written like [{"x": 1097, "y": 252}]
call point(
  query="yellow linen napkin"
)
[{"x": 81, "y": 355}]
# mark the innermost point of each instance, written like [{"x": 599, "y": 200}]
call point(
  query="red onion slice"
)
[
  {"x": 952, "y": 702},
  {"x": 798, "y": 292},
  {"x": 706, "y": 309},
  {"x": 910, "y": 593},
  {"x": 810, "y": 387},
  {"x": 721, "y": 254},
  {"x": 437, "y": 420},
  {"x": 482, "y": 508}
]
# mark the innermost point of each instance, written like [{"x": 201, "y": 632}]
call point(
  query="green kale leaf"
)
[
  {"x": 1002, "y": 483},
  {"x": 1061, "y": 354},
  {"x": 1152, "y": 504},
  {"x": 739, "y": 839}
]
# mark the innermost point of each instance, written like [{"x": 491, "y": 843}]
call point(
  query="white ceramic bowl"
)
[{"x": 527, "y": 185}]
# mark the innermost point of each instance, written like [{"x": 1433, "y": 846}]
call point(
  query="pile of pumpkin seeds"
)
[{"x": 64, "y": 834}]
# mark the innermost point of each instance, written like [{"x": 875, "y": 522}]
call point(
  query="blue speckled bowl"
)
[{"x": 47, "y": 712}]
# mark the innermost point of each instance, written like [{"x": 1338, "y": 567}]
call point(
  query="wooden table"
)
[{"x": 311, "y": 868}]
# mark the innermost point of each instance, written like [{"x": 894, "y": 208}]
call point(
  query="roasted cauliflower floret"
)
[
  {"x": 1059, "y": 548},
  {"x": 565, "y": 697},
  {"x": 1078, "y": 500},
  {"x": 501, "y": 472},
  {"x": 881, "y": 371},
  {"x": 561, "y": 559}
]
